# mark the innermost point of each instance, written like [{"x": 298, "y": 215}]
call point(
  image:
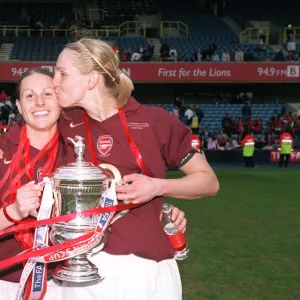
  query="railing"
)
[
  {"x": 6, "y": 57},
  {"x": 15, "y": 28},
  {"x": 293, "y": 31},
  {"x": 107, "y": 31},
  {"x": 173, "y": 28},
  {"x": 254, "y": 35},
  {"x": 26, "y": 31},
  {"x": 126, "y": 28},
  {"x": 133, "y": 28}
]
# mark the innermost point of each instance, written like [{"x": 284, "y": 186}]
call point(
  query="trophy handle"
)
[
  {"x": 113, "y": 169},
  {"x": 118, "y": 178}
]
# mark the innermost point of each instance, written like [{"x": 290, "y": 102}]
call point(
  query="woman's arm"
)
[
  {"x": 175, "y": 147},
  {"x": 200, "y": 181}
]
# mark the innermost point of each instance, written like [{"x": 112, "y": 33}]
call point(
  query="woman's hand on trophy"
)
[
  {"x": 27, "y": 199},
  {"x": 136, "y": 188}
]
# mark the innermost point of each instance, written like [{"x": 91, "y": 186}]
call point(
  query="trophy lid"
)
[{"x": 80, "y": 169}]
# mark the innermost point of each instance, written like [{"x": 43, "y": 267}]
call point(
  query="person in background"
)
[
  {"x": 248, "y": 145},
  {"x": 195, "y": 124},
  {"x": 197, "y": 109},
  {"x": 240, "y": 128},
  {"x": 3, "y": 96},
  {"x": 203, "y": 142},
  {"x": 227, "y": 125},
  {"x": 239, "y": 55},
  {"x": 188, "y": 115},
  {"x": 212, "y": 143},
  {"x": 177, "y": 102},
  {"x": 257, "y": 128},
  {"x": 229, "y": 145},
  {"x": 286, "y": 145},
  {"x": 225, "y": 56},
  {"x": 246, "y": 110}
]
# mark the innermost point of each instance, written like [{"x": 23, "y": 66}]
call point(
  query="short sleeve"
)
[
  {"x": 3, "y": 166},
  {"x": 175, "y": 139}
]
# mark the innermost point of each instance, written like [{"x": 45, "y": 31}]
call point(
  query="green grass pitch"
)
[{"x": 245, "y": 243}]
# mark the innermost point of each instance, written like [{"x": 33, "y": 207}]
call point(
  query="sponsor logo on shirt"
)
[
  {"x": 104, "y": 144},
  {"x": 72, "y": 125},
  {"x": 7, "y": 161}
]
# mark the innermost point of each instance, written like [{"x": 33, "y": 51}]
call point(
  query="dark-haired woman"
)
[{"x": 38, "y": 139}]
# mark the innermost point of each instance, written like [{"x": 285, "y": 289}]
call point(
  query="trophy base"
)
[{"x": 77, "y": 270}]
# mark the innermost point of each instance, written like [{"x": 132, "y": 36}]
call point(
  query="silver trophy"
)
[{"x": 78, "y": 187}]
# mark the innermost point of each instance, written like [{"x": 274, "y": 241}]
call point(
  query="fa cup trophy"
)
[{"x": 78, "y": 187}]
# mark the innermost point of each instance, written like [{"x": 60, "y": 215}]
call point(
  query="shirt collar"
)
[
  {"x": 132, "y": 105},
  {"x": 13, "y": 134}
]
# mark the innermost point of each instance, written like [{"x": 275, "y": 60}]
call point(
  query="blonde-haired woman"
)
[{"x": 138, "y": 261}]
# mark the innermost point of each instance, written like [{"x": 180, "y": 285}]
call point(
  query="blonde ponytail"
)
[{"x": 124, "y": 87}]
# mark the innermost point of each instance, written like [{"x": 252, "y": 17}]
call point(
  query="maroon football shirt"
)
[
  {"x": 8, "y": 245},
  {"x": 162, "y": 141}
]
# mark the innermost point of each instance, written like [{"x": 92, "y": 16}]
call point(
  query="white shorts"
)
[{"x": 126, "y": 277}]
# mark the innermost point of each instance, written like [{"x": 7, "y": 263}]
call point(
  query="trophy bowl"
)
[{"x": 77, "y": 187}]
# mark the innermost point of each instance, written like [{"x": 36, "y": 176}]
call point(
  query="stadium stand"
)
[
  {"x": 38, "y": 48},
  {"x": 214, "y": 113},
  {"x": 49, "y": 13},
  {"x": 202, "y": 28},
  {"x": 117, "y": 11},
  {"x": 268, "y": 10}
]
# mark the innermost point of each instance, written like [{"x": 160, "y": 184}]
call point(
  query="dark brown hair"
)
[{"x": 30, "y": 72}]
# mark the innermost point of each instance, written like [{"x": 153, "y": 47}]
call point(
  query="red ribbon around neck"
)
[
  {"x": 134, "y": 149},
  {"x": 15, "y": 175}
]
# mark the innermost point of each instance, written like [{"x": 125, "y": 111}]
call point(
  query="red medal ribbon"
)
[
  {"x": 134, "y": 149},
  {"x": 66, "y": 218}
]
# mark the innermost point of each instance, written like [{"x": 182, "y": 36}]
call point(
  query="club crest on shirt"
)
[
  {"x": 104, "y": 144},
  {"x": 39, "y": 174}
]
